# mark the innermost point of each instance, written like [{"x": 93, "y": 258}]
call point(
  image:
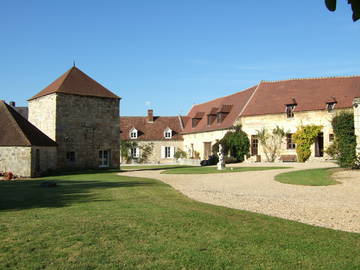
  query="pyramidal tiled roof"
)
[
  {"x": 17, "y": 131},
  {"x": 76, "y": 82}
]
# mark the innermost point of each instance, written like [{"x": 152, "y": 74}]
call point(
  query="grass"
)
[
  {"x": 207, "y": 170},
  {"x": 105, "y": 221},
  {"x": 312, "y": 177},
  {"x": 150, "y": 167}
]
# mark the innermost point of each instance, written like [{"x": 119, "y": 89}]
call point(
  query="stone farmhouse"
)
[
  {"x": 287, "y": 104},
  {"x": 81, "y": 116},
  {"x": 24, "y": 149},
  {"x": 162, "y": 132}
]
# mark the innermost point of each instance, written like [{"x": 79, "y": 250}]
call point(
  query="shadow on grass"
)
[{"x": 17, "y": 195}]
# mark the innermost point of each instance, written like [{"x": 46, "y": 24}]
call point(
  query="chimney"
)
[
  {"x": 12, "y": 103},
  {"x": 150, "y": 116}
]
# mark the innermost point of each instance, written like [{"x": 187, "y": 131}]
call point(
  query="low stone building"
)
[
  {"x": 162, "y": 132},
  {"x": 82, "y": 116},
  {"x": 286, "y": 104},
  {"x": 24, "y": 149}
]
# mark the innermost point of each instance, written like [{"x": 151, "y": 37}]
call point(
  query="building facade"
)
[
  {"x": 82, "y": 117},
  {"x": 162, "y": 133},
  {"x": 285, "y": 104}
]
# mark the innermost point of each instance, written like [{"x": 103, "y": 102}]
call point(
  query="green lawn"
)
[
  {"x": 207, "y": 169},
  {"x": 150, "y": 167},
  {"x": 105, "y": 221},
  {"x": 312, "y": 177}
]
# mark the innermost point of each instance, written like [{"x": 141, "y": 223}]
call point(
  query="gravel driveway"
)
[{"x": 335, "y": 206}]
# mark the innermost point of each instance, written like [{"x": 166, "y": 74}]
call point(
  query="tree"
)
[
  {"x": 235, "y": 143},
  {"x": 271, "y": 142},
  {"x": 355, "y": 6}
]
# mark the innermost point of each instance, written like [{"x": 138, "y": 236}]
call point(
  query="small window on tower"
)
[{"x": 70, "y": 156}]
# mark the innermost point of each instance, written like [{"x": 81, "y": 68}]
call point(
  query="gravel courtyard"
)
[{"x": 335, "y": 206}]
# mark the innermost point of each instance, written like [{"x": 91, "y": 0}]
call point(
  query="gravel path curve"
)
[{"x": 335, "y": 206}]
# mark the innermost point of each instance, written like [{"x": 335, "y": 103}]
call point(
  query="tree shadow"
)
[{"x": 28, "y": 194}]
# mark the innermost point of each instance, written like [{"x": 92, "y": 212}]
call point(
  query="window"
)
[
  {"x": 330, "y": 106},
  {"x": 194, "y": 122},
  {"x": 168, "y": 133},
  {"x": 331, "y": 137},
  {"x": 70, "y": 156},
  {"x": 210, "y": 119},
  {"x": 104, "y": 158},
  {"x": 167, "y": 152},
  {"x": 134, "y": 152},
  {"x": 289, "y": 141},
  {"x": 290, "y": 110},
  {"x": 133, "y": 133}
]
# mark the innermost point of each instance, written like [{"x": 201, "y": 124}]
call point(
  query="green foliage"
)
[
  {"x": 271, "y": 142},
  {"x": 236, "y": 144},
  {"x": 180, "y": 154},
  {"x": 125, "y": 147},
  {"x": 146, "y": 151},
  {"x": 343, "y": 126},
  {"x": 304, "y": 137},
  {"x": 355, "y": 6},
  {"x": 333, "y": 150}
]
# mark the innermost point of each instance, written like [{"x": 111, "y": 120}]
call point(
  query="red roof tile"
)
[
  {"x": 148, "y": 131},
  {"x": 17, "y": 131},
  {"x": 232, "y": 105},
  {"x": 76, "y": 82},
  {"x": 309, "y": 95}
]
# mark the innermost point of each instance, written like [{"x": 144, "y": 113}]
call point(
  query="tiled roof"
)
[
  {"x": 232, "y": 105},
  {"x": 17, "y": 131},
  {"x": 76, "y": 82},
  {"x": 151, "y": 131},
  {"x": 308, "y": 94}
]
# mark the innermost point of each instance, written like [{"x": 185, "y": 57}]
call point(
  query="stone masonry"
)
[
  {"x": 81, "y": 125},
  {"x": 356, "y": 104}
]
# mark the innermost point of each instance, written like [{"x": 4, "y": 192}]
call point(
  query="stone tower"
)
[{"x": 82, "y": 116}]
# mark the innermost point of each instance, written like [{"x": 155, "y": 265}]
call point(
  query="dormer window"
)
[
  {"x": 168, "y": 133},
  {"x": 211, "y": 116},
  {"x": 133, "y": 134},
  {"x": 330, "y": 106},
  {"x": 196, "y": 119},
  {"x": 223, "y": 112},
  {"x": 290, "y": 110}
]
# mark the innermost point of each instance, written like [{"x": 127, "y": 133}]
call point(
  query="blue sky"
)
[{"x": 170, "y": 54}]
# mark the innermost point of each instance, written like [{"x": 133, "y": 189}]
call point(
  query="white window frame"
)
[
  {"x": 104, "y": 158},
  {"x": 168, "y": 133},
  {"x": 133, "y": 134},
  {"x": 135, "y": 152}
]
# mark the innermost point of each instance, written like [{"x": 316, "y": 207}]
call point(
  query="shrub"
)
[
  {"x": 180, "y": 154},
  {"x": 343, "y": 126},
  {"x": 333, "y": 150},
  {"x": 271, "y": 142},
  {"x": 236, "y": 144},
  {"x": 304, "y": 137}
]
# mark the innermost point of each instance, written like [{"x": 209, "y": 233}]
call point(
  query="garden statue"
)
[{"x": 221, "y": 163}]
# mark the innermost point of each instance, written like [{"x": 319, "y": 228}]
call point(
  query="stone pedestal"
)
[
  {"x": 221, "y": 163},
  {"x": 220, "y": 166},
  {"x": 356, "y": 105}
]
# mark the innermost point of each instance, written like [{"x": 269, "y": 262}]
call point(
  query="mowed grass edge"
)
[
  {"x": 106, "y": 221},
  {"x": 212, "y": 169},
  {"x": 310, "y": 177}
]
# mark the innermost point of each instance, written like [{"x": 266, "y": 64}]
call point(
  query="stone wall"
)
[
  {"x": 42, "y": 114},
  {"x": 195, "y": 141},
  {"x": 47, "y": 160},
  {"x": 356, "y": 103},
  {"x": 252, "y": 124},
  {"x": 156, "y": 157},
  {"x": 16, "y": 159},
  {"x": 81, "y": 125},
  {"x": 86, "y": 125}
]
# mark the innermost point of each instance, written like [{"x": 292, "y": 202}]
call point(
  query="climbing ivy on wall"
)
[
  {"x": 345, "y": 139},
  {"x": 304, "y": 137}
]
